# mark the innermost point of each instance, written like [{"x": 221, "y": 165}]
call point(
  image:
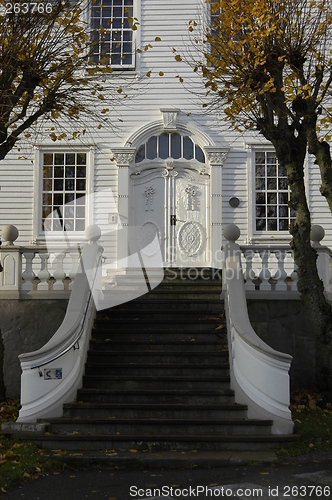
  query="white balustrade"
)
[{"x": 30, "y": 269}]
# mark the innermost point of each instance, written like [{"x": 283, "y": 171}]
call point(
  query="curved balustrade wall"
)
[
  {"x": 52, "y": 375},
  {"x": 259, "y": 374}
]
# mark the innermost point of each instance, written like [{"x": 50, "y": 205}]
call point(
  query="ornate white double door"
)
[{"x": 172, "y": 202}]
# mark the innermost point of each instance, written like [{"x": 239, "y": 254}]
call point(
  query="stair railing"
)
[
  {"x": 52, "y": 374},
  {"x": 259, "y": 374}
]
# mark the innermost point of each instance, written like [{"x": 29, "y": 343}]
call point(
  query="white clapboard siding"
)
[{"x": 146, "y": 96}]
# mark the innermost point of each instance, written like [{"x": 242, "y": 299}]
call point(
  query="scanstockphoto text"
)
[{"x": 287, "y": 491}]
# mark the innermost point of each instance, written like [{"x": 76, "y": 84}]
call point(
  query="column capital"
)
[
  {"x": 216, "y": 155},
  {"x": 124, "y": 156}
]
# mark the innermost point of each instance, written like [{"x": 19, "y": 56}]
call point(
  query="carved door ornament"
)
[
  {"x": 191, "y": 194},
  {"x": 148, "y": 193}
]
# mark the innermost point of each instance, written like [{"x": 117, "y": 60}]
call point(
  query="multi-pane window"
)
[
  {"x": 272, "y": 194},
  {"x": 112, "y": 33},
  {"x": 169, "y": 145},
  {"x": 64, "y": 191}
]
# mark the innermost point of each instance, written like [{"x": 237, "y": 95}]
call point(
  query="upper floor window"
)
[
  {"x": 64, "y": 189},
  {"x": 112, "y": 33},
  {"x": 169, "y": 145},
  {"x": 272, "y": 194}
]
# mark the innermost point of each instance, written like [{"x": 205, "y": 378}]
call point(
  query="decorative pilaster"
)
[
  {"x": 124, "y": 157},
  {"x": 216, "y": 157}
]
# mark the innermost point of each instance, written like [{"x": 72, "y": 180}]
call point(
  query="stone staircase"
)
[{"x": 157, "y": 379}]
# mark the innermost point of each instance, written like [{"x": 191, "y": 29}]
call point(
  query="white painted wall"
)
[{"x": 169, "y": 21}]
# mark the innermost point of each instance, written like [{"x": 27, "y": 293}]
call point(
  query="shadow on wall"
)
[
  {"x": 285, "y": 326},
  {"x": 26, "y": 325}
]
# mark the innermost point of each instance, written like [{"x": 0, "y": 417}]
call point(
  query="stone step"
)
[
  {"x": 165, "y": 369},
  {"x": 160, "y": 442},
  {"x": 159, "y": 358},
  {"x": 130, "y": 382},
  {"x": 160, "y": 315},
  {"x": 166, "y": 427},
  {"x": 159, "y": 411},
  {"x": 144, "y": 303},
  {"x": 145, "y": 396},
  {"x": 154, "y": 346},
  {"x": 156, "y": 333}
]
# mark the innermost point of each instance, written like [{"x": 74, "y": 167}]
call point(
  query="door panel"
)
[{"x": 173, "y": 203}]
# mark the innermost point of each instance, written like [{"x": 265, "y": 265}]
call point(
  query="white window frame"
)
[
  {"x": 135, "y": 40},
  {"x": 253, "y": 234},
  {"x": 39, "y": 236}
]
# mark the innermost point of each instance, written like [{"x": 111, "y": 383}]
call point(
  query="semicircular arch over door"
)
[{"x": 170, "y": 185}]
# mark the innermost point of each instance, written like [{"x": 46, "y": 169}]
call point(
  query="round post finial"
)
[
  {"x": 9, "y": 233},
  {"x": 317, "y": 233},
  {"x": 232, "y": 233},
  {"x": 92, "y": 233}
]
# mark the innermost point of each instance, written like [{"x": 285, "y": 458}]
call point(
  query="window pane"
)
[
  {"x": 283, "y": 225},
  {"x": 260, "y": 225},
  {"x": 151, "y": 148},
  {"x": 175, "y": 146},
  {"x": 58, "y": 185},
  {"x": 260, "y": 170},
  {"x": 199, "y": 155},
  {"x": 260, "y": 198},
  {"x": 140, "y": 155},
  {"x": 272, "y": 184},
  {"x": 272, "y": 224},
  {"x": 164, "y": 146},
  {"x": 59, "y": 159},
  {"x": 188, "y": 148},
  {"x": 48, "y": 159}
]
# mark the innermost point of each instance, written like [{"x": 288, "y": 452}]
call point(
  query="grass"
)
[
  {"x": 21, "y": 460},
  {"x": 312, "y": 417}
]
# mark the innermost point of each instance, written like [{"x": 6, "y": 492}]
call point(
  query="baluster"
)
[
  {"x": 75, "y": 257},
  {"x": 59, "y": 273},
  {"x": 28, "y": 274},
  {"x": 43, "y": 274},
  {"x": 281, "y": 275},
  {"x": 249, "y": 274},
  {"x": 265, "y": 274},
  {"x": 294, "y": 278}
]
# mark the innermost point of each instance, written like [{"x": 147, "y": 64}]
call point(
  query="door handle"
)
[{"x": 173, "y": 220}]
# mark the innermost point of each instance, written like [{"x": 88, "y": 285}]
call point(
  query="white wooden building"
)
[{"x": 172, "y": 169}]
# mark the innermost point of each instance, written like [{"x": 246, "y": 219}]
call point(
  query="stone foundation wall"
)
[
  {"x": 285, "y": 326},
  {"x": 26, "y": 326}
]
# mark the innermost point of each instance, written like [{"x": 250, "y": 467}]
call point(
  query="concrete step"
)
[
  {"x": 160, "y": 411},
  {"x": 159, "y": 442},
  {"x": 164, "y": 369},
  {"x": 154, "y": 426},
  {"x": 158, "y": 358},
  {"x": 130, "y": 382},
  {"x": 145, "y": 396},
  {"x": 154, "y": 346},
  {"x": 157, "y": 333}
]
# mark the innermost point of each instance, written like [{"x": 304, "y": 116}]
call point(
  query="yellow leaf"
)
[
  {"x": 148, "y": 74},
  {"x": 132, "y": 450},
  {"x": 178, "y": 58},
  {"x": 161, "y": 73},
  {"x": 157, "y": 39}
]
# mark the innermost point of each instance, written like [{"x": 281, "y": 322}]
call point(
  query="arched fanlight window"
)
[{"x": 167, "y": 145}]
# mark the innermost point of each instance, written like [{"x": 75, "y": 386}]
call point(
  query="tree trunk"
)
[
  {"x": 309, "y": 283},
  {"x": 2, "y": 382}
]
